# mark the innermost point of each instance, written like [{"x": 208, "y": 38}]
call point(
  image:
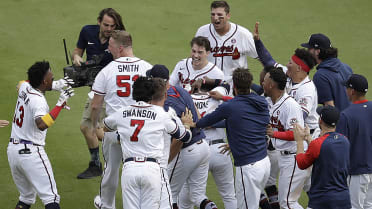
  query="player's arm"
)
[
  {"x": 77, "y": 56},
  {"x": 263, "y": 54},
  {"x": 305, "y": 160},
  {"x": 217, "y": 115},
  {"x": 48, "y": 120},
  {"x": 3, "y": 123},
  {"x": 110, "y": 124},
  {"x": 96, "y": 105},
  {"x": 325, "y": 95}
]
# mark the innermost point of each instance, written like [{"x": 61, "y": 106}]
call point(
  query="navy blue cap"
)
[
  {"x": 318, "y": 41},
  {"x": 357, "y": 82},
  {"x": 328, "y": 114},
  {"x": 158, "y": 71}
]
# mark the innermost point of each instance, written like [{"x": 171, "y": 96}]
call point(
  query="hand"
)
[
  {"x": 269, "y": 131},
  {"x": 298, "y": 132},
  {"x": 65, "y": 95},
  {"x": 308, "y": 137},
  {"x": 225, "y": 149},
  {"x": 256, "y": 35},
  {"x": 215, "y": 95},
  {"x": 78, "y": 60},
  {"x": 62, "y": 83},
  {"x": 187, "y": 118},
  {"x": 3, "y": 123}
]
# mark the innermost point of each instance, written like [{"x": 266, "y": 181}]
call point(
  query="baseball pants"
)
[
  {"x": 191, "y": 167},
  {"x": 141, "y": 185},
  {"x": 360, "y": 187},
  {"x": 250, "y": 181},
  {"x": 32, "y": 173},
  {"x": 221, "y": 167},
  {"x": 112, "y": 155},
  {"x": 291, "y": 181},
  {"x": 274, "y": 167},
  {"x": 166, "y": 194}
]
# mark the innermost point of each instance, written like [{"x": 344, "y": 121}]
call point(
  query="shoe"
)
[
  {"x": 92, "y": 171},
  {"x": 97, "y": 202}
]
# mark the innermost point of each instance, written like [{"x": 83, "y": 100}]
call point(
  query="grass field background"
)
[{"x": 33, "y": 30}]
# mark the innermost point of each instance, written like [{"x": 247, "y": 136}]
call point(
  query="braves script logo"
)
[
  {"x": 226, "y": 51},
  {"x": 275, "y": 123},
  {"x": 185, "y": 81}
]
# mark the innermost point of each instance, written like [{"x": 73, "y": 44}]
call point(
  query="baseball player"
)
[
  {"x": 355, "y": 124},
  {"x": 248, "y": 145},
  {"x": 220, "y": 165},
  {"x": 31, "y": 169},
  {"x": 329, "y": 188},
  {"x": 113, "y": 85},
  {"x": 190, "y": 164},
  {"x": 93, "y": 39},
  {"x": 284, "y": 112},
  {"x": 231, "y": 44},
  {"x": 143, "y": 128},
  {"x": 188, "y": 70}
]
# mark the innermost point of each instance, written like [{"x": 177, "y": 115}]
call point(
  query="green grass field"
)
[{"x": 33, "y": 30}]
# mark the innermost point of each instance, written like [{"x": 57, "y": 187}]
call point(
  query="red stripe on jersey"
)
[
  {"x": 360, "y": 102},
  {"x": 175, "y": 90},
  {"x": 141, "y": 106},
  {"x": 33, "y": 93},
  {"x": 305, "y": 160},
  {"x": 98, "y": 92}
]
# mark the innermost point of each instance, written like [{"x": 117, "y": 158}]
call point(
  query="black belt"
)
[
  {"x": 22, "y": 141},
  {"x": 140, "y": 159},
  {"x": 285, "y": 152},
  {"x": 216, "y": 141}
]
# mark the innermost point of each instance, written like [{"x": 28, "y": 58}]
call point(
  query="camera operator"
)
[{"x": 94, "y": 40}]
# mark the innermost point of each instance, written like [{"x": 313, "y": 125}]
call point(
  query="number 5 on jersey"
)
[
  {"x": 139, "y": 124},
  {"x": 121, "y": 81}
]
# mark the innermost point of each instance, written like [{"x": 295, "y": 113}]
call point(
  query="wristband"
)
[{"x": 49, "y": 118}]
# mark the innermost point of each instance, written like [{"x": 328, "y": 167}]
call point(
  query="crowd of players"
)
[{"x": 170, "y": 130}]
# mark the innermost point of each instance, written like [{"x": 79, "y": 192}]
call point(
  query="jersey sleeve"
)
[
  {"x": 99, "y": 85},
  {"x": 321, "y": 82},
  {"x": 294, "y": 115},
  {"x": 305, "y": 160},
  {"x": 175, "y": 128},
  {"x": 173, "y": 79},
  {"x": 110, "y": 121},
  {"x": 305, "y": 99},
  {"x": 249, "y": 46},
  {"x": 40, "y": 107},
  {"x": 82, "y": 42}
]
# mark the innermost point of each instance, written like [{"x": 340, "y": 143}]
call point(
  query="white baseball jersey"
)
[
  {"x": 31, "y": 104},
  {"x": 116, "y": 79},
  {"x": 184, "y": 74},
  {"x": 231, "y": 50},
  {"x": 205, "y": 105},
  {"x": 142, "y": 128},
  {"x": 306, "y": 96},
  {"x": 283, "y": 115}
]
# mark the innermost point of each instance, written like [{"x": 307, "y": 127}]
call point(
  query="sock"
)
[
  {"x": 264, "y": 202},
  {"x": 94, "y": 155},
  {"x": 272, "y": 193},
  {"x": 52, "y": 205}
]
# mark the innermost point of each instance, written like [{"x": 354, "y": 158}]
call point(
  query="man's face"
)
[
  {"x": 48, "y": 80},
  {"x": 114, "y": 48},
  {"x": 106, "y": 26},
  {"x": 199, "y": 55},
  {"x": 292, "y": 68},
  {"x": 314, "y": 52},
  {"x": 219, "y": 18},
  {"x": 267, "y": 84}
]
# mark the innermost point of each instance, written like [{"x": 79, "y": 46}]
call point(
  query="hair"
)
[
  {"x": 242, "y": 80},
  {"x": 267, "y": 69},
  {"x": 219, "y": 4},
  {"x": 114, "y": 15},
  {"x": 328, "y": 53},
  {"x": 122, "y": 37},
  {"x": 306, "y": 57},
  {"x": 37, "y": 72},
  {"x": 279, "y": 77},
  {"x": 159, "y": 87},
  {"x": 142, "y": 89},
  {"x": 201, "y": 41}
]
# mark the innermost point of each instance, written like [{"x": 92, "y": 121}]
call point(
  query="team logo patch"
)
[
  {"x": 233, "y": 40},
  {"x": 277, "y": 112},
  {"x": 293, "y": 121}
]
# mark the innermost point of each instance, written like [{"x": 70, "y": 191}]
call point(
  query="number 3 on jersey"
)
[
  {"x": 19, "y": 120},
  {"x": 139, "y": 123},
  {"x": 121, "y": 82}
]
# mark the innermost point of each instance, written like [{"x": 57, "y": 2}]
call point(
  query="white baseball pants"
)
[{"x": 360, "y": 187}]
